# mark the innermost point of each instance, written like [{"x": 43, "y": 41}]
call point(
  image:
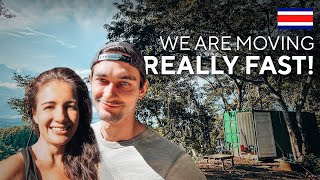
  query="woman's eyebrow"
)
[
  {"x": 71, "y": 101},
  {"x": 48, "y": 102}
]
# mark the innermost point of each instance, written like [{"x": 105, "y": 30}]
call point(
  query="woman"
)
[{"x": 59, "y": 109}]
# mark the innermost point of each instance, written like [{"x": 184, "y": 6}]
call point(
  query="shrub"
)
[
  {"x": 312, "y": 163},
  {"x": 14, "y": 139}
]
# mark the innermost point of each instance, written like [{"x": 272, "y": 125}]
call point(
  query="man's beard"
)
[
  {"x": 110, "y": 117},
  {"x": 114, "y": 117}
]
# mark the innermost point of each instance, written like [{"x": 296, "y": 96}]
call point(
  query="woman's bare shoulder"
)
[{"x": 13, "y": 167}]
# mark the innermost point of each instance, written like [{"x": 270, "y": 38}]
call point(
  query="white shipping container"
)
[{"x": 255, "y": 134}]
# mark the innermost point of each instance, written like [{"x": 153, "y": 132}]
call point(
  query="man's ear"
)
[
  {"x": 34, "y": 116},
  {"x": 143, "y": 89}
]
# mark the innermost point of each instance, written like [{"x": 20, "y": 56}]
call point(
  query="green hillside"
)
[{"x": 14, "y": 139}]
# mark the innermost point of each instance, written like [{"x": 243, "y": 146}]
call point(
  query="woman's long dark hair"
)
[{"x": 81, "y": 156}]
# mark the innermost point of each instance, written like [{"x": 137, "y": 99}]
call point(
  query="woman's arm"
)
[{"x": 12, "y": 167}]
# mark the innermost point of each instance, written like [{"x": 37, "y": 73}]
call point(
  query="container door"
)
[
  {"x": 264, "y": 135},
  {"x": 231, "y": 132},
  {"x": 246, "y": 132}
]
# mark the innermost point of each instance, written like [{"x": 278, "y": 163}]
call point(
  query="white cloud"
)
[
  {"x": 15, "y": 117},
  {"x": 30, "y": 31},
  {"x": 32, "y": 15},
  {"x": 89, "y": 14},
  {"x": 34, "y": 32},
  {"x": 44, "y": 56},
  {"x": 9, "y": 85},
  {"x": 65, "y": 44},
  {"x": 15, "y": 35},
  {"x": 23, "y": 18},
  {"x": 26, "y": 33},
  {"x": 29, "y": 16},
  {"x": 83, "y": 72},
  {"x": 94, "y": 17},
  {"x": 44, "y": 26}
]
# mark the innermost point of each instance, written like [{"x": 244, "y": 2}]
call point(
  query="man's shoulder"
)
[
  {"x": 174, "y": 159},
  {"x": 159, "y": 142},
  {"x": 153, "y": 146},
  {"x": 167, "y": 158},
  {"x": 185, "y": 168}
]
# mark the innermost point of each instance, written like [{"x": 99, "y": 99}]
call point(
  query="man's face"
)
[{"x": 116, "y": 90}]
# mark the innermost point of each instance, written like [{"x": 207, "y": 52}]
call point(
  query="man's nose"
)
[{"x": 110, "y": 91}]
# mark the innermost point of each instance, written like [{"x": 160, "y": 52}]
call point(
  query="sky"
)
[{"x": 46, "y": 34}]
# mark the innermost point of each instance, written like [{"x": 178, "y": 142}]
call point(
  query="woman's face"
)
[{"x": 56, "y": 112}]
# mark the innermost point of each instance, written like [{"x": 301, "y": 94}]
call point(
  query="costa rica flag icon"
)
[{"x": 295, "y": 18}]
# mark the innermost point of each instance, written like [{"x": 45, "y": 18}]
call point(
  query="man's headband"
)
[
  {"x": 133, "y": 57},
  {"x": 114, "y": 57}
]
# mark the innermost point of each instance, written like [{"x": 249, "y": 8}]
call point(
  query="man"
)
[{"x": 129, "y": 149}]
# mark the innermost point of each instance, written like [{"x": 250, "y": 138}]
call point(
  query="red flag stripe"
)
[{"x": 295, "y": 18}]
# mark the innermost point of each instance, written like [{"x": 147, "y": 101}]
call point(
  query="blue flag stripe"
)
[
  {"x": 295, "y": 9},
  {"x": 295, "y": 27}
]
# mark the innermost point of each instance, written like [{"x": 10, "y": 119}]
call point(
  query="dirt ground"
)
[{"x": 248, "y": 169}]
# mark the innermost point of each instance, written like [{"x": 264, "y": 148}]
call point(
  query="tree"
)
[
  {"x": 4, "y": 11},
  {"x": 179, "y": 112},
  {"x": 145, "y": 21},
  {"x": 19, "y": 103}
]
